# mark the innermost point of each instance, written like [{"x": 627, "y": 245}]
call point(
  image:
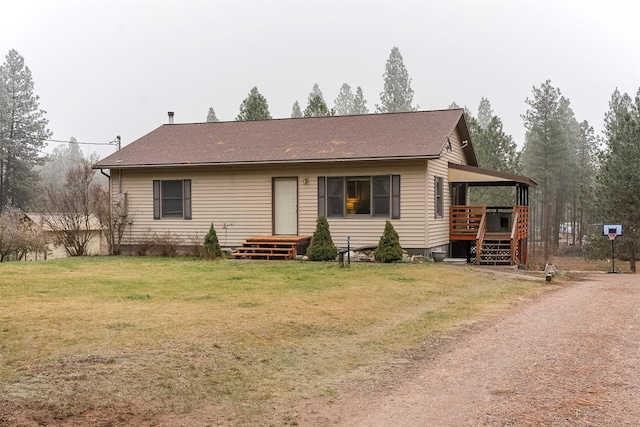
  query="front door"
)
[{"x": 285, "y": 206}]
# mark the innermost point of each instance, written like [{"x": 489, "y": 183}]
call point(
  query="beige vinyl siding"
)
[
  {"x": 438, "y": 227},
  {"x": 241, "y": 196}
]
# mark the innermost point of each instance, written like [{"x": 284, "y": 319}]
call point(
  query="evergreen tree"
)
[
  {"x": 389, "y": 248},
  {"x": 296, "y": 112},
  {"x": 359, "y": 103},
  {"x": 345, "y": 102},
  {"x": 619, "y": 176},
  {"x": 453, "y": 106},
  {"x": 398, "y": 94},
  {"x": 317, "y": 108},
  {"x": 485, "y": 113},
  {"x": 63, "y": 158},
  {"x": 495, "y": 150},
  {"x": 545, "y": 156},
  {"x": 315, "y": 91},
  {"x": 211, "y": 248},
  {"x": 254, "y": 107},
  {"x": 211, "y": 116},
  {"x": 321, "y": 247},
  {"x": 23, "y": 129},
  {"x": 584, "y": 196}
]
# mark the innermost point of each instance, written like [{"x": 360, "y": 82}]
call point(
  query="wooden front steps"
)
[
  {"x": 495, "y": 249},
  {"x": 271, "y": 247}
]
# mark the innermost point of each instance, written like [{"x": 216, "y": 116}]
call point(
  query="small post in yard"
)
[
  {"x": 349, "y": 250},
  {"x": 612, "y": 230}
]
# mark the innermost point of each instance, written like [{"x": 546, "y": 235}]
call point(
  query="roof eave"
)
[{"x": 265, "y": 162}]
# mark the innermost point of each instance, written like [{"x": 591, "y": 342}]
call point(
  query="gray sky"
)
[{"x": 111, "y": 68}]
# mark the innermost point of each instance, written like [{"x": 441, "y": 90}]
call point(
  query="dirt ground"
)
[{"x": 570, "y": 357}]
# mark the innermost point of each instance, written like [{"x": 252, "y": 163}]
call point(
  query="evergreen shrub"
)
[
  {"x": 211, "y": 248},
  {"x": 389, "y": 248},
  {"x": 321, "y": 247}
]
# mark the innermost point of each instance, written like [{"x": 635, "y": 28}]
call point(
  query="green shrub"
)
[
  {"x": 321, "y": 247},
  {"x": 211, "y": 248},
  {"x": 389, "y": 248}
]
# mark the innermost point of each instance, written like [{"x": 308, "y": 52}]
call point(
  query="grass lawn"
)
[{"x": 220, "y": 342}]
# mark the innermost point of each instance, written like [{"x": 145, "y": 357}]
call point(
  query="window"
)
[
  {"x": 359, "y": 196},
  {"x": 172, "y": 199},
  {"x": 438, "y": 197}
]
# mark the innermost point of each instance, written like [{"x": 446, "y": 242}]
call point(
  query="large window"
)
[
  {"x": 172, "y": 199},
  {"x": 359, "y": 196}
]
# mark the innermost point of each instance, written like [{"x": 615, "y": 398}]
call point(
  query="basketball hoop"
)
[{"x": 612, "y": 235}]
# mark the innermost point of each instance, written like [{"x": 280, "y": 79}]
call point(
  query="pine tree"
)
[
  {"x": 211, "y": 248},
  {"x": 63, "y": 158},
  {"x": 317, "y": 108},
  {"x": 398, "y": 94},
  {"x": 23, "y": 129},
  {"x": 545, "y": 156},
  {"x": 254, "y": 107},
  {"x": 359, "y": 103},
  {"x": 296, "y": 112},
  {"x": 389, "y": 248},
  {"x": 485, "y": 113},
  {"x": 315, "y": 91},
  {"x": 345, "y": 102},
  {"x": 321, "y": 247},
  {"x": 495, "y": 150},
  {"x": 619, "y": 177},
  {"x": 211, "y": 116}
]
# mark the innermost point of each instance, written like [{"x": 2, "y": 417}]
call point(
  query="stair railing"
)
[{"x": 482, "y": 230}]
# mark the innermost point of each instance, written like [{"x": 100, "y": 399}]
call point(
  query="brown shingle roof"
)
[{"x": 419, "y": 134}]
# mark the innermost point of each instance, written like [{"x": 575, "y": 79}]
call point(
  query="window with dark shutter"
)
[{"x": 172, "y": 199}]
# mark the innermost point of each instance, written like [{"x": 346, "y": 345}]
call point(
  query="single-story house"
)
[
  {"x": 274, "y": 178},
  {"x": 96, "y": 245}
]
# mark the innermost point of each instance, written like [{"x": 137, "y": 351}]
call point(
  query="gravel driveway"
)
[{"x": 568, "y": 358}]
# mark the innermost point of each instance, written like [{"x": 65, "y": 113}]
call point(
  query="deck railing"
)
[{"x": 465, "y": 222}]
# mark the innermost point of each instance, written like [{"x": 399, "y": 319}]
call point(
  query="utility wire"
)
[{"x": 115, "y": 141}]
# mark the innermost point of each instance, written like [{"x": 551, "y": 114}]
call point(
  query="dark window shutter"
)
[
  {"x": 322, "y": 197},
  {"x": 186, "y": 194},
  {"x": 156, "y": 199},
  {"x": 395, "y": 196}
]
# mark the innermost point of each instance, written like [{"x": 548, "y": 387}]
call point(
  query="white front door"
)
[{"x": 285, "y": 206}]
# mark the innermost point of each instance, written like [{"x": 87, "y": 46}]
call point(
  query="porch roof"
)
[{"x": 475, "y": 176}]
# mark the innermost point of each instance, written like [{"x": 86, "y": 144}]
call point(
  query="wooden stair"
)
[
  {"x": 495, "y": 250},
  {"x": 270, "y": 247}
]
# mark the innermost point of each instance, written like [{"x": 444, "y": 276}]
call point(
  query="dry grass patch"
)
[{"x": 151, "y": 336}]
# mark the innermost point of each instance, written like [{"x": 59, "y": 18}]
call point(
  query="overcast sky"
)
[{"x": 111, "y": 68}]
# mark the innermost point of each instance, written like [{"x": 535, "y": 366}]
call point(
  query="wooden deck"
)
[
  {"x": 272, "y": 247},
  {"x": 469, "y": 223}
]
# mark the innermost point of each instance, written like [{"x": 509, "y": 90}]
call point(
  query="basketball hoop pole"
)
[
  {"x": 613, "y": 254},
  {"x": 612, "y": 230}
]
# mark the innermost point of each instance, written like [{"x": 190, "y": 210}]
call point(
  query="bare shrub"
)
[
  {"x": 146, "y": 243},
  {"x": 167, "y": 244}
]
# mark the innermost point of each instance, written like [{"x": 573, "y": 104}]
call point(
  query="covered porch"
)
[{"x": 488, "y": 235}]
